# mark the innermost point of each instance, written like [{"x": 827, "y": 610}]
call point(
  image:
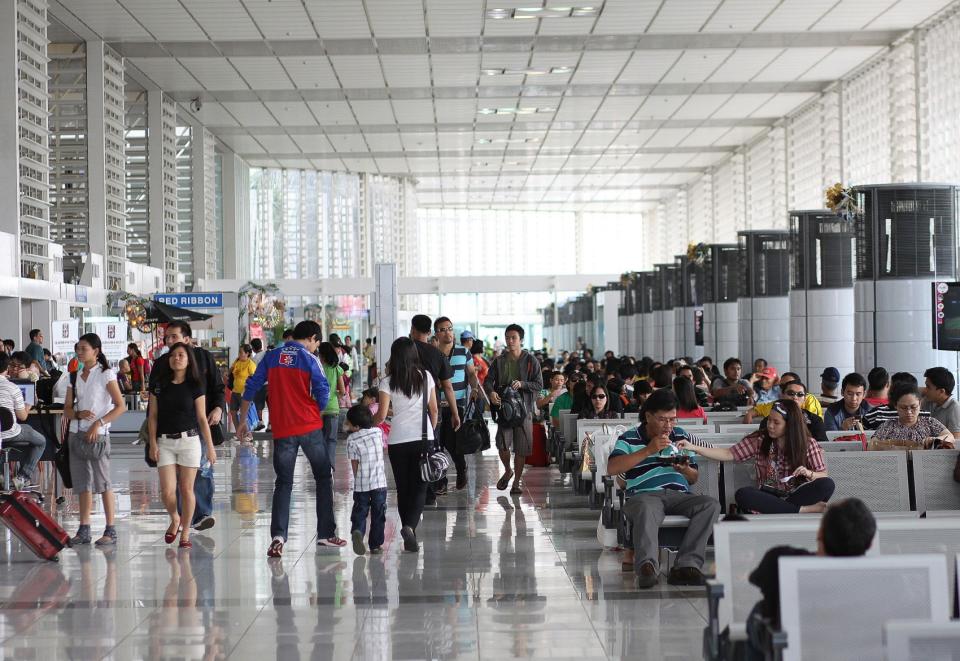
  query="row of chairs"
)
[{"x": 836, "y": 608}]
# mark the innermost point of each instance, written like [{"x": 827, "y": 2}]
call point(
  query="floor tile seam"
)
[{"x": 133, "y": 631}]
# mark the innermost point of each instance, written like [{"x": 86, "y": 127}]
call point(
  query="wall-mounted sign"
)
[
  {"x": 64, "y": 334},
  {"x": 113, "y": 337},
  {"x": 200, "y": 300},
  {"x": 946, "y": 316}
]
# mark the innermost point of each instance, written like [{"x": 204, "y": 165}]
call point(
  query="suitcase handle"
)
[{"x": 23, "y": 510}]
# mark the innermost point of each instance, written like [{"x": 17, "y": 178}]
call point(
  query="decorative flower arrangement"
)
[
  {"x": 134, "y": 310},
  {"x": 697, "y": 253},
  {"x": 842, "y": 201},
  {"x": 262, "y": 305}
]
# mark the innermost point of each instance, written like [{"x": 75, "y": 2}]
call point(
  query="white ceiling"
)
[{"x": 654, "y": 91}]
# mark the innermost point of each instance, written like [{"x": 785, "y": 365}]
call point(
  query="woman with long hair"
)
[
  {"x": 598, "y": 407},
  {"x": 687, "y": 396},
  {"x": 330, "y": 362},
  {"x": 139, "y": 368},
  {"x": 791, "y": 474},
  {"x": 177, "y": 420},
  {"x": 581, "y": 398},
  {"x": 93, "y": 401},
  {"x": 403, "y": 388}
]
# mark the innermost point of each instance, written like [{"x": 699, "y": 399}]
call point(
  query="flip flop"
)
[{"x": 504, "y": 481}]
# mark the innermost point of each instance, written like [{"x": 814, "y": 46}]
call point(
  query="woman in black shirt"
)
[{"x": 177, "y": 420}]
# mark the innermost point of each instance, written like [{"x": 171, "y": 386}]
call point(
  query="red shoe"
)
[
  {"x": 168, "y": 537},
  {"x": 276, "y": 549},
  {"x": 186, "y": 544},
  {"x": 333, "y": 542}
]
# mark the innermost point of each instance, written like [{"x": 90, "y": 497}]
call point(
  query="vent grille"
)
[
  {"x": 765, "y": 270},
  {"x": 906, "y": 231},
  {"x": 722, "y": 273},
  {"x": 822, "y": 250}
]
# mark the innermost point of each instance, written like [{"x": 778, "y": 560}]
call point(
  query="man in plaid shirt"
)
[{"x": 365, "y": 451}]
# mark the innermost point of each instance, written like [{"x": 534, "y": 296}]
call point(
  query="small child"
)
[
  {"x": 365, "y": 451},
  {"x": 370, "y": 398}
]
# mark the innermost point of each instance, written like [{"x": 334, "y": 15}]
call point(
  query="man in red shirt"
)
[{"x": 297, "y": 396}]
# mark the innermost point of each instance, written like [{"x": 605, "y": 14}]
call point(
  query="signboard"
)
[
  {"x": 698, "y": 326},
  {"x": 946, "y": 316},
  {"x": 113, "y": 338},
  {"x": 81, "y": 294},
  {"x": 65, "y": 334},
  {"x": 199, "y": 300}
]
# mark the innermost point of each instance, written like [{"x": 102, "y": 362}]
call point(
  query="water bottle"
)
[{"x": 206, "y": 469}]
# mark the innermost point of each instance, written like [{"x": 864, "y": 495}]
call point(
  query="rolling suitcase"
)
[
  {"x": 21, "y": 513},
  {"x": 540, "y": 457}
]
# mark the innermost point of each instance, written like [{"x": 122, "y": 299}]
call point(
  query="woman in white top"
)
[
  {"x": 403, "y": 388},
  {"x": 93, "y": 402}
]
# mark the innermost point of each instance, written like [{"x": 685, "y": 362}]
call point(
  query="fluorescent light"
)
[
  {"x": 521, "y": 13},
  {"x": 501, "y": 141},
  {"x": 521, "y": 110},
  {"x": 525, "y": 72}
]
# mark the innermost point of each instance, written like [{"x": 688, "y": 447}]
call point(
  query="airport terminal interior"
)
[{"x": 480, "y": 329}]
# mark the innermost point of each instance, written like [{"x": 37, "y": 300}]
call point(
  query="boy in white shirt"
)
[{"x": 365, "y": 451}]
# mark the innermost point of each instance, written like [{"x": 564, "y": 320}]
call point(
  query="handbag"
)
[
  {"x": 62, "y": 456},
  {"x": 433, "y": 463},
  {"x": 473, "y": 431}
]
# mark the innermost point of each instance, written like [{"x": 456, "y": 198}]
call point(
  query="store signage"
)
[
  {"x": 113, "y": 338},
  {"x": 64, "y": 335},
  {"x": 191, "y": 300}
]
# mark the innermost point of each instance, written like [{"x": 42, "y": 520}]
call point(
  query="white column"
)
[
  {"x": 385, "y": 306},
  {"x": 9, "y": 153},
  {"x": 96, "y": 166},
  {"x": 204, "y": 230}
]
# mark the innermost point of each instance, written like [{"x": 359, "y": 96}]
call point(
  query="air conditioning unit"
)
[
  {"x": 764, "y": 305},
  {"x": 721, "y": 325}
]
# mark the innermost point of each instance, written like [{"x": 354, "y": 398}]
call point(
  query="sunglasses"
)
[
  {"x": 796, "y": 393},
  {"x": 598, "y": 397}
]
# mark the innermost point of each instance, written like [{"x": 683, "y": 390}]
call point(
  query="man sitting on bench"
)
[{"x": 658, "y": 478}]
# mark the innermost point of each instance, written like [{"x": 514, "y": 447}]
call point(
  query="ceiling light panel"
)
[
  {"x": 166, "y": 21},
  {"x": 739, "y": 15},
  {"x": 332, "y": 112},
  {"x": 291, "y": 113},
  {"x": 310, "y": 72},
  {"x": 454, "y": 18},
  {"x": 695, "y": 66},
  {"x": 396, "y": 18},
  {"x": 683, "y": 16},
  {"x": 250, "y": 113},
  {"x": 263, "y": 73},
  {"x": 648, "y": 66},
  {"x": 107, "y": 19},
  {"x": 339, "y": 19},
  {"x": 570, "y": 26},
  {"x": 407, "y": 70},
  {"x": 282, "y": 19},
  {"x": 795, "y": 15},
  {"x": 551, "y": 11},
  {"x": 358, "y": 71},
  {"x": 215, "y": 73}
]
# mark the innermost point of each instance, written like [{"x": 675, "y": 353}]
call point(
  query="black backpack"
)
[{"x": 513, "y": 412}]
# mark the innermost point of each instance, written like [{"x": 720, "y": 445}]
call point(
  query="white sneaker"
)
[{"x": 205, "y": 523}]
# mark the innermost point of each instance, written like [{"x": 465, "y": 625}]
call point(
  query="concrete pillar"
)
[
  {"x": 9, "y": 152},
  {"x": 155, "y": 176},
  {"x": 96, "y": 164},
  {"x": 385, "y": 305}
]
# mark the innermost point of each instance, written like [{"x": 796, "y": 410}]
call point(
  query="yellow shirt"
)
[
  {"x": 810, "y": 403},
  {"x": 242, "y": 370}
]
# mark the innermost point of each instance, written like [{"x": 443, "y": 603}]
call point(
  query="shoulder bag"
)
[{"x": 433, "y": 463}]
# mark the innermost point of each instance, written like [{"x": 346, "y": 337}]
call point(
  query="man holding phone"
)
[{"x": 846, "y": 413}]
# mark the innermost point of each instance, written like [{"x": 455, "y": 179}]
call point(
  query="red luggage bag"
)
[
  {"x": 20, "y": 512},
  {"x": 540, "y": 457}
]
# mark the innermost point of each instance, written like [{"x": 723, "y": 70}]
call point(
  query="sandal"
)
[
  {"x": 109, "y": 537},
  {"x": 516, "y": 489},
  {"x": 504, "y": 481}
]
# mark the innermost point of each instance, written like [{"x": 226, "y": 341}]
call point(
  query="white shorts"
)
[{"x": 184, "y": 451}]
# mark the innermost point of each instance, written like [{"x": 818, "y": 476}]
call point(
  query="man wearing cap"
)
[
  {"x": 466, "y": 340},
  {"x": 765, "y": 386},
  {"x": 829, "y": 382},
  {"x": 847, "y": 412}
]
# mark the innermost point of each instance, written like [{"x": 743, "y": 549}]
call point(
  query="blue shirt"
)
[
  {"x": 653, "y": 473},
  {"x": 763, "y": 396}
]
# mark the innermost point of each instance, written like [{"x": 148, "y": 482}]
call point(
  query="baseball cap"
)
[
  {"x": 769, "y": 373},
  {"x": 466, "y": 335},
  {"x": 831, "y": 375}
]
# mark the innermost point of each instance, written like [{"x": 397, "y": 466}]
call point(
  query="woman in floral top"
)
[
  {"x": 791, "y": 474},
  {"x": 924, "y": 432}
]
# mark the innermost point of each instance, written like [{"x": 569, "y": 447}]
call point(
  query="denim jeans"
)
[
  {"x": 284, "y": 461},
  {"x": 373, "y": 502},
  {"x": 29, "y": 446},
  {"x": 331, "y": 422}
]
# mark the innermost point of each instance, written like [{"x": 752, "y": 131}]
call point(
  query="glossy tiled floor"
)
[{"x": 497, "y": 578}]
